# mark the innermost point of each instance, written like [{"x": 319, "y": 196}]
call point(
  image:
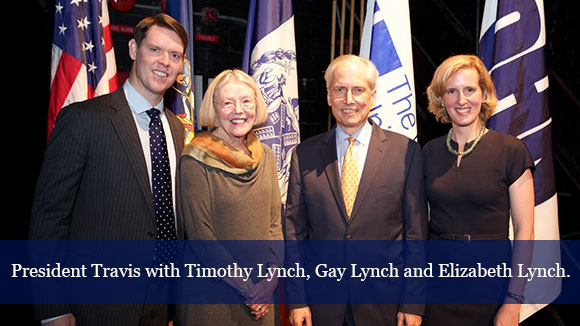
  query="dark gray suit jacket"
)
[
  {"x": 390, "y": 205},
  {"x": 94, "y": 185}
]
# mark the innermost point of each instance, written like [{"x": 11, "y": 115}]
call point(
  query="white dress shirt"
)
[{"x": 139, "y": 105}]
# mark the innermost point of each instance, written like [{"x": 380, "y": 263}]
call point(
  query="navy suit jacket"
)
[{"x": 390, "y": 205}]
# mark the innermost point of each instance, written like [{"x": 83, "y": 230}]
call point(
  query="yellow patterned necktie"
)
[{"x": 349, "y": 177}]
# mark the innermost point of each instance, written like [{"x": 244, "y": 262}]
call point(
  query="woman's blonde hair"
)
[
  {"x": 207, "y": 111},
  {"x": 447, "y": 68}
]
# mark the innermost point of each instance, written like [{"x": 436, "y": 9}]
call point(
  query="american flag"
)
[
  {"x": 83, "y": 61},
  {"x": 512, "y": 41}
]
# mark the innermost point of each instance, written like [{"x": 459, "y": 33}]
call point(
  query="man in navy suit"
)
[
  {"x": 95, "y": 182},
  {"x": 389, "y": 201}
]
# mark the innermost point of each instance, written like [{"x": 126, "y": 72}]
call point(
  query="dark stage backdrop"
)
[{"x": 439, "y": 27}]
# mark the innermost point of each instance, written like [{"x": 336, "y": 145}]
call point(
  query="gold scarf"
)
[{"x": 215, "y": 152}]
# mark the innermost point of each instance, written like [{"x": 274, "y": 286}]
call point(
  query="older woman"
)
[
  {"x": 230, "y": 191},
  {"x": 474, "y": 178}
]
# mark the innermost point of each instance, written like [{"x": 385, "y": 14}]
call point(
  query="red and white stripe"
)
[{"x": 68, "y": 82}]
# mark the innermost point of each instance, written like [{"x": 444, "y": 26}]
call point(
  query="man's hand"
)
[
  {"x": 300, "y": 317},
  {"x": 66, "y": 320},
  {"x": 404, "y": 319}
]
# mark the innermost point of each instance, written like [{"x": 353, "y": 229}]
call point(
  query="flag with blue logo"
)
[
  {"x": 270, "y": 58},
  {"x": 83, "y": 60},
  {"x": 180, "y": 97},
  {"x": 512, "y": 41},
  {"x": 386, "y": 42}
]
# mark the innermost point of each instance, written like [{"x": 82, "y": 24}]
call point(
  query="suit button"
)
[
  {"x": 150, "y": 234},
  {"x": 349, "y": 237}
]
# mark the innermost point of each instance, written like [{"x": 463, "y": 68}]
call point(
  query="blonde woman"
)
[
  {"x": 474, "y": 178},
  {"x": 230, "y": 191}
]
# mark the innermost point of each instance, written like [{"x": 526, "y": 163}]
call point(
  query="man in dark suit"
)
[
  {"x": 386, "y": 201},
  {"x": 96, "y": 179}
]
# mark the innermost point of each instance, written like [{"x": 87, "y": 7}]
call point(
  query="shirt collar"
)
[
  {"x": 362, "y": 136},
  {"x": 137, "y": 102}
]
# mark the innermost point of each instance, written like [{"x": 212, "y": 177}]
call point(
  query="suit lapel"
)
[
  {"x": 375, "y": 154},
  {"x": 330, "y": 163},
  {"x": 124, "y": 124}
]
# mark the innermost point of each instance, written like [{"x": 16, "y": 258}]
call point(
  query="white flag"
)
[
  {"x": 387, "y": 42},
  {"x": 270, "y": 58}
]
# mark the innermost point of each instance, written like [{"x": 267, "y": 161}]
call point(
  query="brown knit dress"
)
[{"x": 220, "y": 201}]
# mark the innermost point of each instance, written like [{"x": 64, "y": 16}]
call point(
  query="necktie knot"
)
[{"x": 153, "y": 113}]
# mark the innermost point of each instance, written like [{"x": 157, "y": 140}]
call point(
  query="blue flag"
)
[
  {"x": 270, "y": 58},
  {"x": 512, "y": 41},
  {"x": 180, "y": 97}
]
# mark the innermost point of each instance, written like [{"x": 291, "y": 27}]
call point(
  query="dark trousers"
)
[{"x": 348, "y": 316}]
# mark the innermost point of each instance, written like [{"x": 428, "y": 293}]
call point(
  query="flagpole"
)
[
  {"x": 332, "y": 51},
  {"x": 342, "y": 19},
  {"x": 361, "y": 19},
  {"x": 477, "y": 27},
  {"x": 351, "y": 27},
  {"x": 333, "y": 31}
]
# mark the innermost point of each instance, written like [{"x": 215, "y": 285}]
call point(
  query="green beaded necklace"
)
[{"x": 464, "y": 153}]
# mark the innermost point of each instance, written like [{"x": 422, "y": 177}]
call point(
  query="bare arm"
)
[{"x": 522, "y": 210}]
